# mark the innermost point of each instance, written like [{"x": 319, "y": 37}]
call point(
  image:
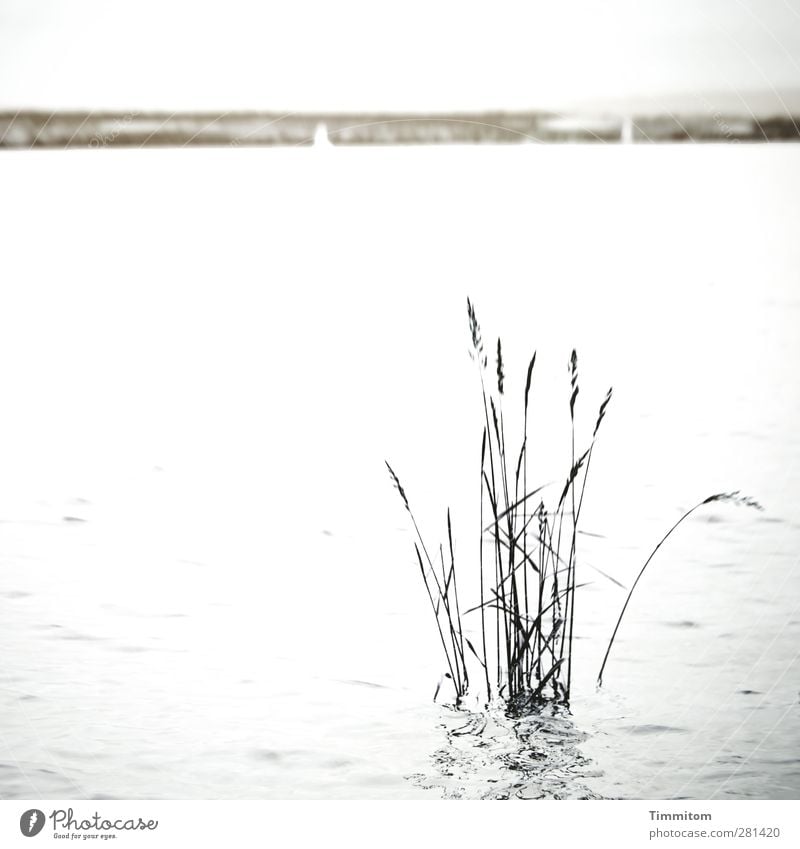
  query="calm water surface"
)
[{"x": 207, "y": 585}]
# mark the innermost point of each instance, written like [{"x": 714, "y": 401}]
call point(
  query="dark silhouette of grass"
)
[
  {"x": 527, "y": 611},
  {"x": 734, "y": 497},
  {"x": 443, "y": 596},
  {"x": 527, "y": 614}
]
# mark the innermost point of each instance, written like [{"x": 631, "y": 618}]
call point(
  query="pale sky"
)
[{"x": 366, "y": 54}]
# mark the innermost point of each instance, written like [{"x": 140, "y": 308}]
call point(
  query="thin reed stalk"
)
[
  {"x": 734, "y": 497},
  {"x": 443, "y": 599}
]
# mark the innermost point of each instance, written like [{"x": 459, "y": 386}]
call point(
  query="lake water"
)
[{"x": 207, "y": 583}]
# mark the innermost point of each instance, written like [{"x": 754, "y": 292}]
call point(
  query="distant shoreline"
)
[{"x": 80, "y": 129}]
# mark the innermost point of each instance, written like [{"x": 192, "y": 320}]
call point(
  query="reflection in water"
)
[{"x": 496, "y": 755}]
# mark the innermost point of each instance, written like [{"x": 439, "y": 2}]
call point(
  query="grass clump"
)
[
  {"x": 527, "y": 584},
  {"x": 527, "y": 555}
]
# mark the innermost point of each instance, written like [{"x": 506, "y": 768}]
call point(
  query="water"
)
[{"x": 207, "y": 585}]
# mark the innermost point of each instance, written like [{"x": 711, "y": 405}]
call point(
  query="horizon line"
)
[{"x": 77, "y": 128}]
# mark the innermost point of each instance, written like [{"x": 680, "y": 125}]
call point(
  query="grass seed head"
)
[
  {"x": 528, "y": 378},
  {"x": 398, "y": 485},
  {"x": 475, "y": 333},
  {"x": 602, "y": 412},
  {"x": 500, "y": 373},
  {"x": 736, "y": 498},
  {"x": 573, "y": 379}
]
